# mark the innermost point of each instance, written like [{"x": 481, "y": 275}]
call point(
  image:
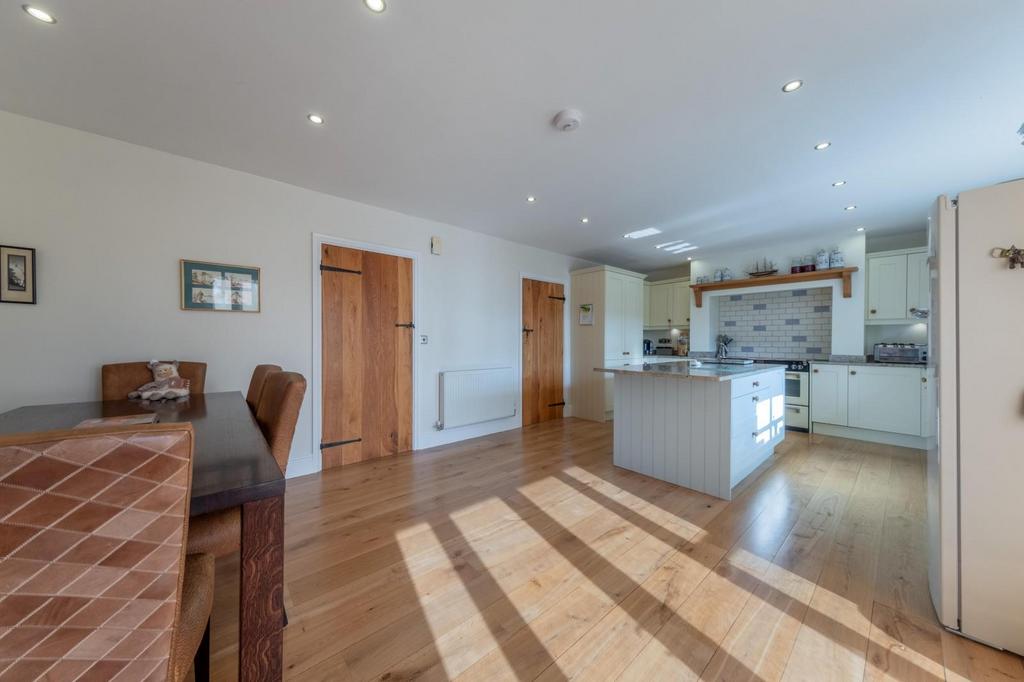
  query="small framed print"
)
[
  {"x": 586, "y": 314},
  {"x": 19, "y": 274},
  {"x": 219, "y": 287}
]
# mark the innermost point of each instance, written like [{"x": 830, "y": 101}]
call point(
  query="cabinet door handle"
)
[
  {"x": 815, "y": 371},
  {"x": 853, "y": 371},
  {"x": 924, "y": 380},
  {"x": 754, "y": 398},
  {"x": 625, "y": 352},
  {"x": 873, "y": 311},
  {"x": 757, "y": 383},
  {"x": 754, "y": 434}
]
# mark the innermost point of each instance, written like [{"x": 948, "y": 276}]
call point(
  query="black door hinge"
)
[
  {"x": 407, "y": 325},
  {"x": 561, "y": 404},
  {"x": 334, "y": 444},
  {"x": 331, "y": 268},
  {"x": 558, "y": 298}
]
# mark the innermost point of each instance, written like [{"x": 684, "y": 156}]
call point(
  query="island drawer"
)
[{"x": 756, "y": 382}]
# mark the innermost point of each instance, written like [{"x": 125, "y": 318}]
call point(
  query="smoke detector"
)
[{"x": 567, "y": 120}]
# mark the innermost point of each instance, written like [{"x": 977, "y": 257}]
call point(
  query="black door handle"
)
[{"x": 526, "y": 331}]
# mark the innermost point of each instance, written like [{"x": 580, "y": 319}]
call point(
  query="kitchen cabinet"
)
[
  {"x": 873, "y": 397},
  {"x": 680, "y": 314},
  {"x": 918, "y": 283},
  {"x": 829, "y": 393},
  {"x": 667, "y": 304},
  {"x": 623, "y": 331},
  {"x": 897, "y": 284},
  {"x": 616, "y": 335},
  {"x": 885, "y": 399}
]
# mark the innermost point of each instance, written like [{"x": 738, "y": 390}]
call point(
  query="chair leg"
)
[{"x": 201, "y": 663}]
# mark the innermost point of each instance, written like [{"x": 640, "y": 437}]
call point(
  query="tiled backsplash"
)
[{"x": 778, "y": 325}]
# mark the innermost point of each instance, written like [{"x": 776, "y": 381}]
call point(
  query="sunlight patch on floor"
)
[{"x": 432, "y": 609}]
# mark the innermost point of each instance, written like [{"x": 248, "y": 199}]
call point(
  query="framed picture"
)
[
  {"x": 19, "y": 274},
  {"x": 219, "y": 287},
  {"x": 586, "y": 314}
]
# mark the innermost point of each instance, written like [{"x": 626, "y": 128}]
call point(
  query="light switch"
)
[{"x": 435, "y": 246}]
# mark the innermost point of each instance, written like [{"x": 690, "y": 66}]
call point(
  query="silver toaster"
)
[{"x": 901, "y": 352}]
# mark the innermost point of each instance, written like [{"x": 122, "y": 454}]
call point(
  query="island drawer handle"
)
[
  {"x": 754, "y": 434},
  {"x": 757, "y": 383},
  {"x": 754, "y": 398}
]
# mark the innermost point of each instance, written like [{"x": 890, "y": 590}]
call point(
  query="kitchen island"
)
[{"x": 705, "y": 428}]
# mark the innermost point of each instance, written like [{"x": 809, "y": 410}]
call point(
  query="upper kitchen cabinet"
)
[
  {"x": 897, "y": 286},
  {"x": 614, "y": 333},
  {"x": 667, "y": 304}
]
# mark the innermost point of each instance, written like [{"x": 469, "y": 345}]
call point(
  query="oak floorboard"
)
[{"x": 526, "y": 554}]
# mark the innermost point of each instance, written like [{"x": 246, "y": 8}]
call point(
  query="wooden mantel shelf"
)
[{"x": 844, "y": 274}]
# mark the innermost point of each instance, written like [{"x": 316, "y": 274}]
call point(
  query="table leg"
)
[{"x": 261, "y": 598}]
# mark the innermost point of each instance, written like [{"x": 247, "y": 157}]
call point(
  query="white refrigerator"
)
[{"x": 976, "y": 462}]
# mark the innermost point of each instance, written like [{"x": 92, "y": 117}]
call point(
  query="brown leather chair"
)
[
  {"x": 219, "y": 533},
  {"x": 256, "y": 384},
  {"x": 190, "y": 645},
  {"x": 120, "y": 379},
  {"x": 170, "y": 611}
]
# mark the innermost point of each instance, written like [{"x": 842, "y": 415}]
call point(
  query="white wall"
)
[
  {"x": 847, "y": 313},
  {"x": 110, "y": 221},
  {"x": 892, "y": 242}
]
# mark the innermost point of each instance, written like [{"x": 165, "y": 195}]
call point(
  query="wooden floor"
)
[{"x": 527, "y": 555}]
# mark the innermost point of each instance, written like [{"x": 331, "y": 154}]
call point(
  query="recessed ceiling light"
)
[
  {"x": 377, "y": 6},
  {"x": 850, "y": 208},
  {"x": 860, "y": 229},
  {"x": 678, "y": 242},
  {"x": 39, "y": 14},
  {"x": 531, "y": 199},
  {"x": 839, "y": 183},
  {"x": 584, "y": 220},
  {"x": 821, "y": 146},
  {"x": 640, "y": 234},
  {"x": 792, "y": 86},
  {"x": 316, "y": 119}
]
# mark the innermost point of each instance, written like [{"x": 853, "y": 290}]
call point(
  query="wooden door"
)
[
  {"x": 543, "y": 320},
  {"x": 367, "y": 338}
]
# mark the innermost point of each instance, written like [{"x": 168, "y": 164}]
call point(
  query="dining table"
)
[{"x": 232, "y": 467}]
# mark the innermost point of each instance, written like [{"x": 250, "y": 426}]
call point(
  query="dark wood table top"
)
[{"x": 232, "y": 461}]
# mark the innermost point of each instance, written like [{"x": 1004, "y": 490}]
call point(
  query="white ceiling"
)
[{"x": 443, "y": 109}]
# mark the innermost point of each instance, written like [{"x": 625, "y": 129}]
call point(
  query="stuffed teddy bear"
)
[{"x": 166, "y": 384}]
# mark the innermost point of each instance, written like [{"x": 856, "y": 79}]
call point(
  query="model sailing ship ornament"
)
[{"x": 763, "y": 268}]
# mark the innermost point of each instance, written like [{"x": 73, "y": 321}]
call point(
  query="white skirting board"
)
[{"x": 472, "y": 396}]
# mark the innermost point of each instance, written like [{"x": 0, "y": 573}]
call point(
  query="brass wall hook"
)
[{"x": 1015, "y": 255}]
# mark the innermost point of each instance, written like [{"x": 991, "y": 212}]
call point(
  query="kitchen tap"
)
[{"x": 723, "y": 346}]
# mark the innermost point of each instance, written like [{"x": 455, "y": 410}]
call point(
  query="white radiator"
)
[{"x": 472, "y": 396}]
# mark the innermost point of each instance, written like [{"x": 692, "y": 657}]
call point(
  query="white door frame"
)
[
  {"x": 317, "y": 379},
  {"x": 566, "y": 328}
]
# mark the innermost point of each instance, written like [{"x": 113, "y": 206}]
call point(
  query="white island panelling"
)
[{"x": 705, "y": 429}]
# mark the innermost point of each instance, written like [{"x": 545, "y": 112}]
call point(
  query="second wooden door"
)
[
  {"x": 543, "y": 320},
  {"x": 367, "y": 336}
]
